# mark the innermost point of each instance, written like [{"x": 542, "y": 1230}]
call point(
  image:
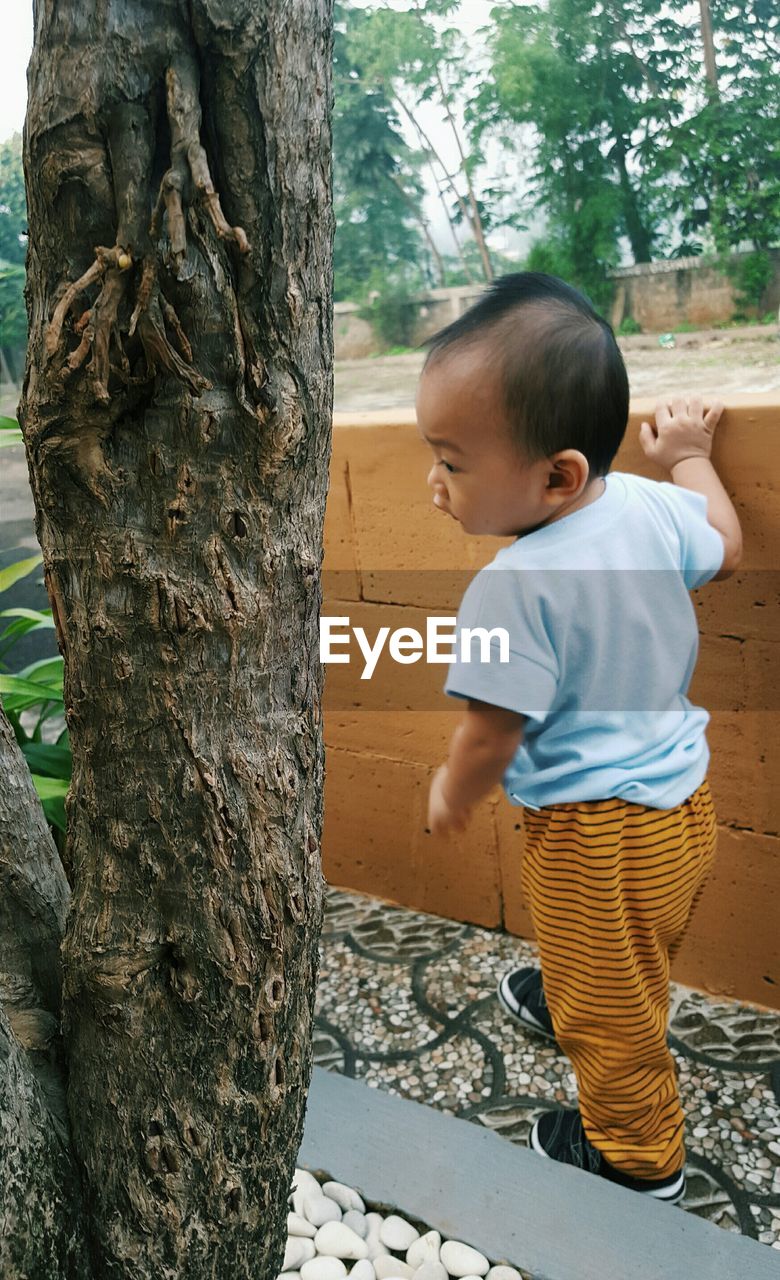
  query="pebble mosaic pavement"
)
[{"x": 406, "y": 1002}]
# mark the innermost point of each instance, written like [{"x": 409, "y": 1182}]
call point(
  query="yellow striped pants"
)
[{"x": 611, "y": 888}]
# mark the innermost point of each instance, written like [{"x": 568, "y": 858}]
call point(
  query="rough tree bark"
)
[
  {"x": 40, "y": 1224},
  {"x": 176, "y": 414}
]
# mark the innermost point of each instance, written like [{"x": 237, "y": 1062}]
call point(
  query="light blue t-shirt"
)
[{"x": 602, "y": 643}]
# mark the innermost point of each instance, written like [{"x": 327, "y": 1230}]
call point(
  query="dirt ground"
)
[{"x": 712, "y": 360}]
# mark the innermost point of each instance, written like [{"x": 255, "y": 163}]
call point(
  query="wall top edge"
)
[
  {"x": 401, "y": 417},
  {"x": 405, "y": 417},
  {"x": 665, "y": 265}
]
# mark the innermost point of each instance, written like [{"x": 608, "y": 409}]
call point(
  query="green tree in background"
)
[
  {"x": 13, "y": 317},
  {"x": 590, "y": 82},
  {"x": 378, "y": 192},
  {"x": 647, "y": 119},
  {"x": 416, "y": 56},
  {"x": 13, "y": 205},
  {"x": 642, "y": 124},
  {"x": 13, "y": 244},
  {"x": 721, "y": 162}
]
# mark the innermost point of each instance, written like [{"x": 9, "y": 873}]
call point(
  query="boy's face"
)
[{"x": 478, "y": 476}]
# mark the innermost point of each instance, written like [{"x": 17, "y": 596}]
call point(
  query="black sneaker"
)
[
  {"x": 522, "y": 995},
  {"x": 560, "y": 1135}
]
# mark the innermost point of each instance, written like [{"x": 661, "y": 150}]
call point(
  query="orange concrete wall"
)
[{"x": 385, "y": 736}]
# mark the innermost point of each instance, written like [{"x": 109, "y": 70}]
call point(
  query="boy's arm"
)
[
  {"x": 482, "y": 746},
  {"x": 681, "y": 441}
]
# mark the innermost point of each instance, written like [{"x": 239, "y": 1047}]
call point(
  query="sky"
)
[{"x": 16, "y": 45}]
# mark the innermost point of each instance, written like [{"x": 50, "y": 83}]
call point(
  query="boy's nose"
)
[{"x": 438, "y": 489}]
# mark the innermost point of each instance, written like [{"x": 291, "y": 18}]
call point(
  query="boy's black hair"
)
[{"x": 565, "y": 385}]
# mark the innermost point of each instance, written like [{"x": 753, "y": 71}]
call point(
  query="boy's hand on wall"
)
[
  {"x": 443, "y": 816},
  {"x": 682, "y": 430}
]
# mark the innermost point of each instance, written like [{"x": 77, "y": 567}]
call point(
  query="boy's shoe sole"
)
[
  {"x": 558, "y": 1135},
  {"x": 517, "y": 1009}
]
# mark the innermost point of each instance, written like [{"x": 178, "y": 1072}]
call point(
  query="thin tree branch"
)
[
  {"x": 432, "y": 152},
  {"x": 476, "y": 220},
  {"x": 398, "y": 184}
]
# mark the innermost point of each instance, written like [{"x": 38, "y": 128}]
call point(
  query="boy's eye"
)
[{"x": 448, "y": 467}]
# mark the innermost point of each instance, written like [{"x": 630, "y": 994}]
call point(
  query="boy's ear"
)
[{"x": 569, "y": 473}]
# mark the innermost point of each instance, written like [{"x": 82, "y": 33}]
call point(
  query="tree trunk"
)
[
  {"x": 176, "y": 414},
  {"x": 639, "y": 237},
  {"x": 41, "y": 1233},
  {"x": 710, "y": 65}
]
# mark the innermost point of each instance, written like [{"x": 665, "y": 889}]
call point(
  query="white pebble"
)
[
  {"x": 345, "y": 1197},
  {"x": 424, "y": 1249},
  {"x": 461, "y": 1260},
  {"x": 374, "y": 1221},
  {"x": 298, "y": 1226},
  {"x": 357, "y": 1222},
  {"x": 431, "y": 1271},
  {"x": 375, "y": 1248},
  {"x": 302, "y": 1178},
  {"x": 397, "y": 1233},
  {"x": 363, "y": 1270},
  {"x": 503, "y": 1273},
  {"x": 321, "y": 1209},
  {"x": 389, "y": 1268},
  {"x": 304, "y": 1184},
  {"x": 289, "y": 1275},
  {"x": 334, "y": 1240},
  {"x": 297, "y": 1251},
  {"x": 323, "y": 1269}
]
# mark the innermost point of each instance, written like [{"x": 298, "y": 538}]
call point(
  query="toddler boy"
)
[{"x": 524, "y": 403}]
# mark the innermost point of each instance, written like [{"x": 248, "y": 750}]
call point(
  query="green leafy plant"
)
[
  {"x": 687, "y": 249},
  {"x": 32, "y": 698},
  {"x": 392, "y": 314},
  {"x": 10, "y": 432},
  {"x": 13, "y": 204},
  {"x": 629, "y": 327},
  {"x": 750, "y": 275},
  {"x": 555, "y": 256},
  {"x": 13, "y": 317}
]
